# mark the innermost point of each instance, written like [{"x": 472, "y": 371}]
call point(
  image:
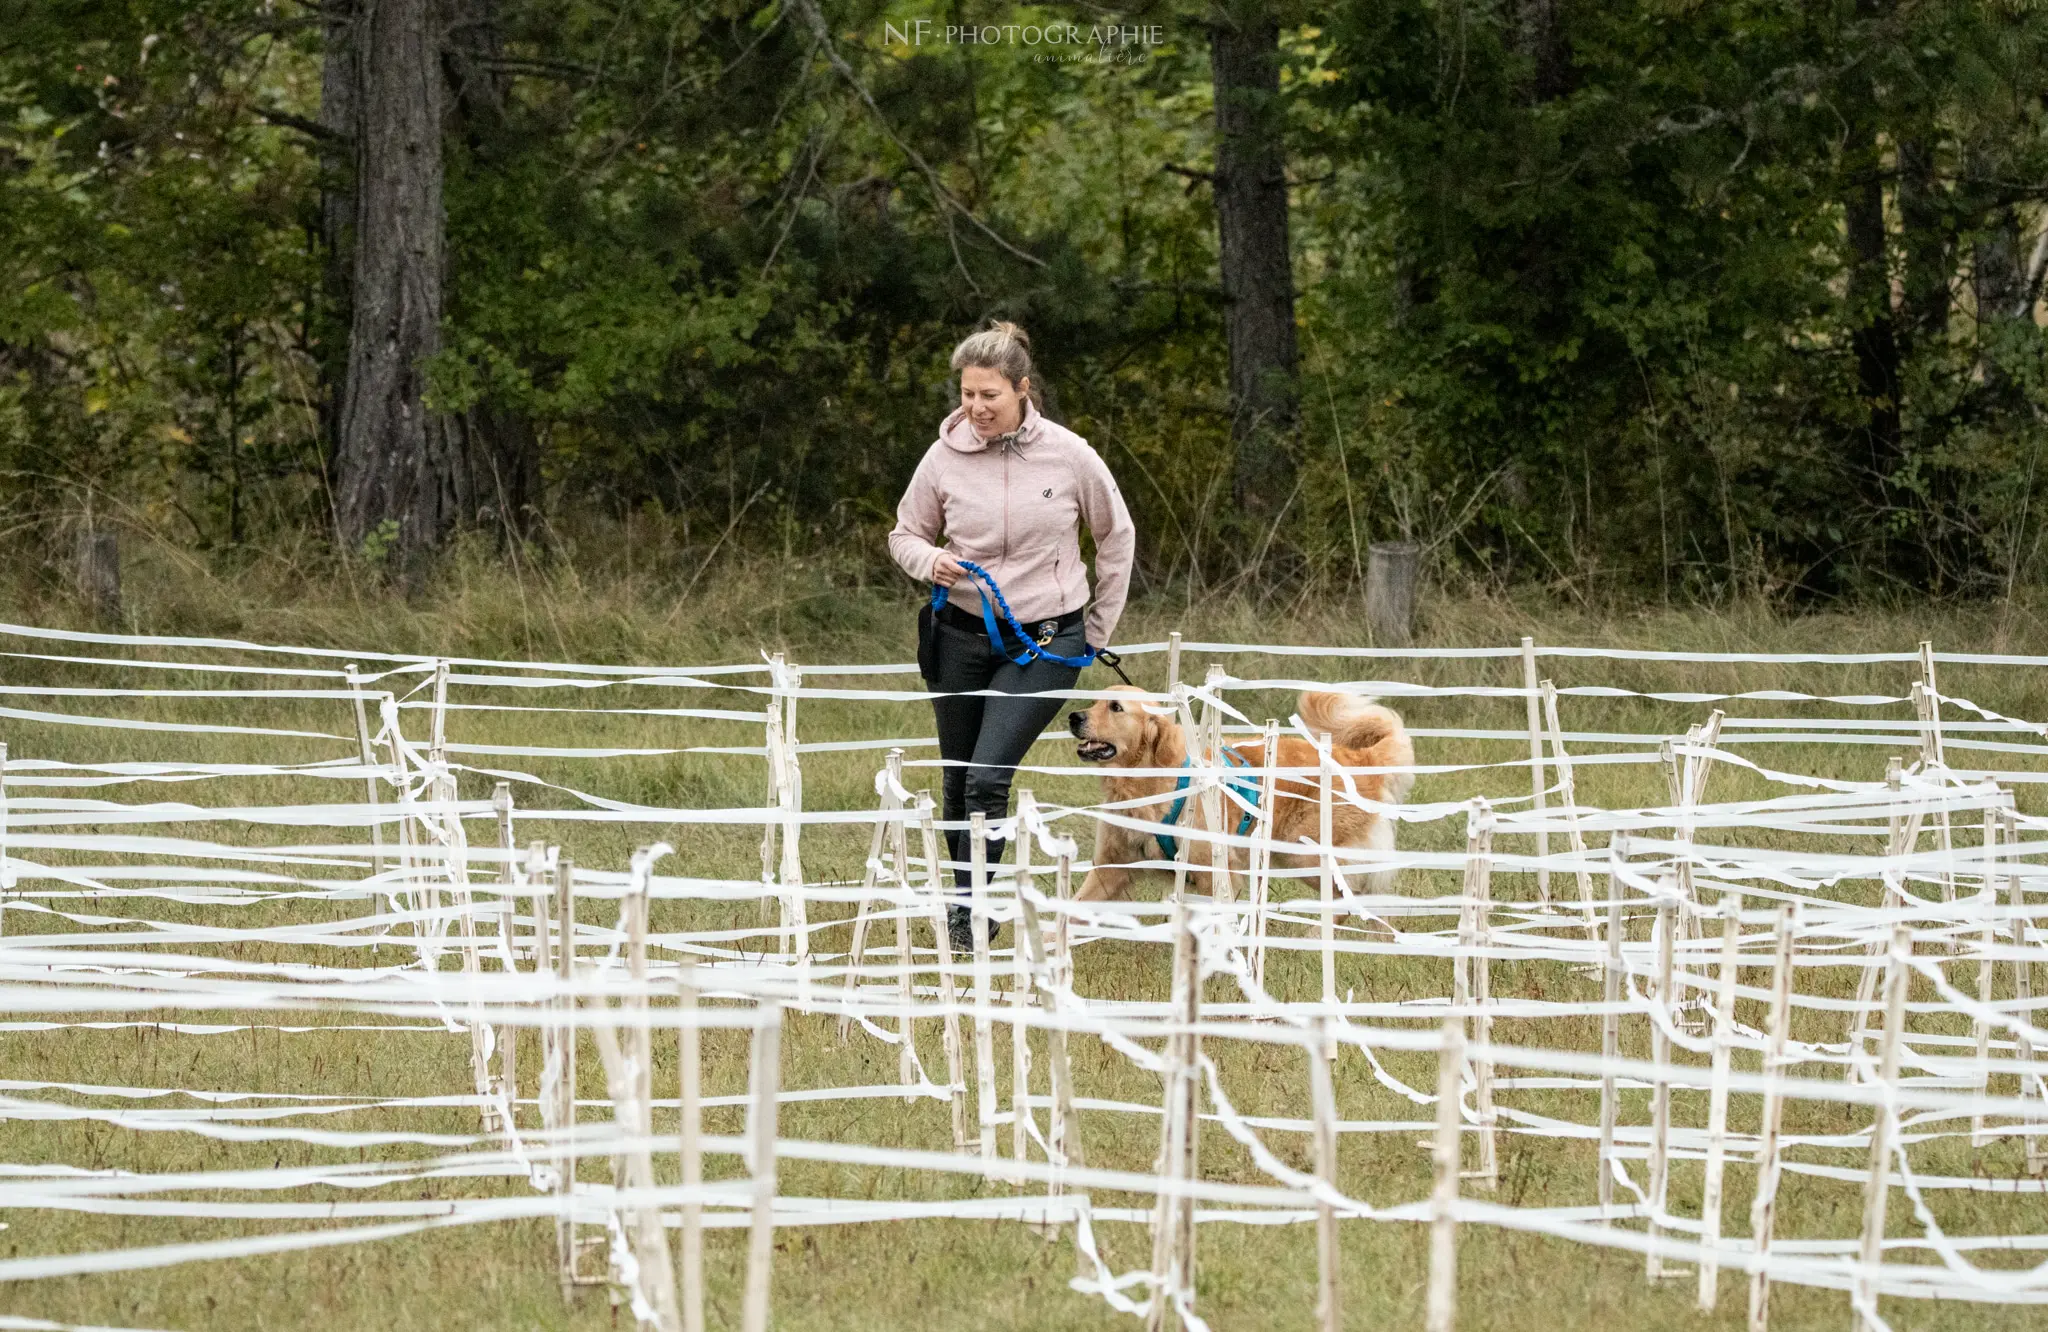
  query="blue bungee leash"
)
[{"x": 1031, "y": 649}]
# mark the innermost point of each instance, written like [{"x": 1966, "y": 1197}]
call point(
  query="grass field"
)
[{"x": 931, "y": 1273}]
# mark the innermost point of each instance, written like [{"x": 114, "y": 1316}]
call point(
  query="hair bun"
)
[{"x": 1005, "y": 326}]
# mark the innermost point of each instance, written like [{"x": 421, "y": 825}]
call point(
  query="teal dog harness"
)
[{"x": 1247, "y": 789}]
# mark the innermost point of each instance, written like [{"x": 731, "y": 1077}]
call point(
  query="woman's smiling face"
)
[{"x": 994, "y": 405}]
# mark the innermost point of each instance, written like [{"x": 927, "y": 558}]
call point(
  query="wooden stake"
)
[
  {"x": 1568, "y": 791},
  {"x": 1610, "y": 1035},
  {"x": 1221, "y": 887},
  {"x": 766, "y": 1084},
  {"x": 632, "y": 1097},
  {"x": 1717, "y": 1102},
  {"x": 956, "y": 1080},
  {"x": 1173, "y": 661},
  {"x": 856, "y": 953},
  {"x": 1877, "y": 1190},
  {"x": 565, "y": 1084},
  {"x": 1538, "y": 788},
  {"x": 1323, "y": 1100},
  {"x": 689, "y": 1065},
  {"x": 1660, "y": 1094},
  {"x": 1260, "y": 862},
  {"x": 1441, "y": 1313},
  {"x": 984, "y": 984},
  {"x": 1032, "y": 942},
  {"x": 1020, "y": 997},
  {"x": 907, "y": 1068},
  {"x": 438, "y": 747},
  {"x": 1066, "y": 1123},
  {"x": 771, "y": 742},
  {"x": 1472, "y": 983},
  {"x": 1173, "y": 1224},
  {"x": 1980, "y": 1030},
  {"x": 1324, "y": 839},
  {"x": 368, "y": 754},
  {"x": 543, "y": 965},
  {"x": 1903, "y": 839},
  {"x": 508, "y": 934},
  {"x": 1763, "y": 1209},
  {"x": 792, "y": 868},
  {"x": 1928, "y": 710},
  {"x": 6, "y": 865},
  {"x": 2022, "y": 984},
  {"x": 636, "y": 904}
]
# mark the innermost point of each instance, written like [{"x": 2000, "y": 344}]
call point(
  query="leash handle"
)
[{"x": 1031, "y": 649}]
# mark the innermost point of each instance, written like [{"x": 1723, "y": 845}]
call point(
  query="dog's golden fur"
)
[{"x": 1122, "y": 733}]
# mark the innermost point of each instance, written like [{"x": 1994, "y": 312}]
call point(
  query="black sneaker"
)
[{"x": 960, "y": 928}]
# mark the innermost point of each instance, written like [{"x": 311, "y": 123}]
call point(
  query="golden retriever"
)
[{"x": 1129, "y": 733}]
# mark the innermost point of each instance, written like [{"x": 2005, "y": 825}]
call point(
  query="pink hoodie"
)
[{"x": 1011, "y": 505}]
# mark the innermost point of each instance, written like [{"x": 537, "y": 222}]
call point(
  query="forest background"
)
[{"x": 1636, "y": 299}]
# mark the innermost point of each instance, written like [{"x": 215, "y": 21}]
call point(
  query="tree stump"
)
[
  {"x": 96, "y": 572},
  {"x": 1390, "y": 592}
]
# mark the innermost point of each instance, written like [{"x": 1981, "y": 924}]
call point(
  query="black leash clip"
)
[{"x": 1115, "y": 663}]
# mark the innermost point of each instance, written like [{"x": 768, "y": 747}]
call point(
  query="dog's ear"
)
[{"x": 1152, "y": 728}]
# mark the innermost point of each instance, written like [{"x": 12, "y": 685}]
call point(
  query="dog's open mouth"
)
[{"x": 1095, "y": 751}]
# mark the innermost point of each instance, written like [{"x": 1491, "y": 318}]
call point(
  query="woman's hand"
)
[{"x": 946, "y": 570}]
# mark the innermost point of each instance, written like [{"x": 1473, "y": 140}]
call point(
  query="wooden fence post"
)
[
  {"x": 690, "y": 1102},
  {"x": 1660, "y": 1094},
  {"x": 1717, "y": 1103},
  {"x": 1323, "y": 1101},
  {"x": 1568, "y": 790},
  {"x": 1441, "y": 1313},
  {"x": 565, "y": 1081},
  {"x": 1390, "y": 577},
  {"x": 1173, "y": 1218},
  {"x": 96, "y": 570},
  {"x": 765, "y": 1078},
  {"x": 1472, "y": 979},
  {"x": 1763, "y": 1209},
  {"x": 1259, "y": 866},
  {"x": 984, "y": 984},
  {"x": 508, "y": 933},
  {"x": 1610, "y": 1032},
  {"x": 1538, "y": 788},
  {"x": 1324, "y": 837},
  {"x": 1877, "y": 1189},
  {"x": 949, "y": 994}
]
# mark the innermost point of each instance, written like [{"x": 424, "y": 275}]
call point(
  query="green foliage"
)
[{"x": 1577, "y": 305}]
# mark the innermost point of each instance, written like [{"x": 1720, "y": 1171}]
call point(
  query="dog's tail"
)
[
  {"x": 1370, "y": 731},
  {"x": 1352, "y": 722}
]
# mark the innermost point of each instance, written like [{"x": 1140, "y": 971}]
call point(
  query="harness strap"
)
[{"x": 1244, "y": 787}]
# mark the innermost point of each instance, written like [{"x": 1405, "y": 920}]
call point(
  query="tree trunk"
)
[
  {"x": 398, "y": 470},
  {"x": 339, "y": 103},
  {"x": 1539, "y": 37},
  {"x": 1873, "y": 334},
  {"x": 500, "y": 450},
  {"x": 476, "y": 90},
  {"x": 1929, "y": 242},
  {"x": 1999, "y": 285},
  {"x": 1258, "y": 274}
]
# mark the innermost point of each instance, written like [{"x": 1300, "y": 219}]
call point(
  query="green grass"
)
[{"x": 929, "y": 1273}]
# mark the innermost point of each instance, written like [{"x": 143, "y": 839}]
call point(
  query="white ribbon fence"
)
[{"x": 1880, "y": 934}]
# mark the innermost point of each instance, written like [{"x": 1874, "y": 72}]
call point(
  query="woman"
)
[{"x": 1005, "y": 487}]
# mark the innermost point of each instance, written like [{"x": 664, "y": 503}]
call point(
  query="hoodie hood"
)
[{"x": 959, "y": 434}]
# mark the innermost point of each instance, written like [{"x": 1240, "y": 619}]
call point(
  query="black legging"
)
[{"x": 991, "y": 735}]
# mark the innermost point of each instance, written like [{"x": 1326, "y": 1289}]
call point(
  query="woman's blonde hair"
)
[{"x": 1002, "y": 347}]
